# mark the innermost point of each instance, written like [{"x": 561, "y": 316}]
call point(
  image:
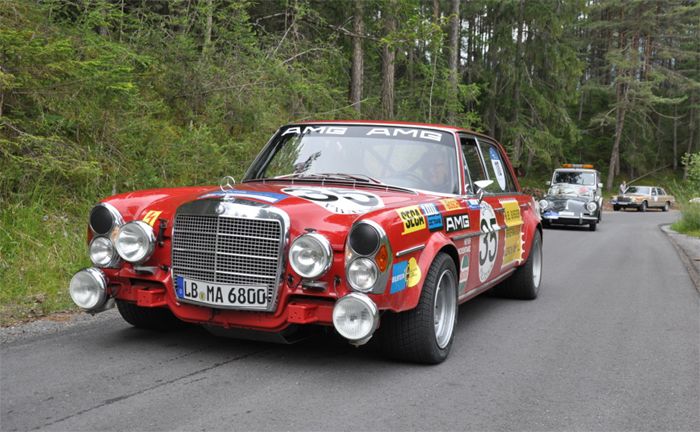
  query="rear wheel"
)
[
  {"x": 425, "y": 333},
  {"x": 524, "y": 283},
  {"x": 148, "y": 318}
]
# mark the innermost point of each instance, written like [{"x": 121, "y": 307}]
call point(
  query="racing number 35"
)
[{"x": 489, "y": 240}]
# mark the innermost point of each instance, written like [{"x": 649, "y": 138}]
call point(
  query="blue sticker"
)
[
  {"x": 494, "y": 154},
  {"x": 550, "y": 214},
  {"x": 270, "y": 197},
  {"x": 398, "y": 277},
  {"x": 179, "y": 287},
  {"x": 473, "y": 204},
  {"x": 433, "y": 216}
]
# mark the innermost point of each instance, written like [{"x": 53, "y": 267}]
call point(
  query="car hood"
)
[{"x": 330, "y": 208}]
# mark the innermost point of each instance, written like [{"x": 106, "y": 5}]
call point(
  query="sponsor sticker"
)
[
  {"x": 398, "y": 277},
  {"x": 433, "y": 216},
  {"x": 269, "y": 197},
  {"x": 338, "y": 200},
  {"x": 412, "y": 218},
  {"x": 464, "y": 253},
  {"x": 451, "y": 204},
  {"x": 405, "y": 274},
  {"x": 151, "y": 217},
  {"x": 413, "y": 273},
  {"x": 458, "y": 222},
  {"x": 498, "y": 168},
  {"x": 473, "y": 204},
  {"x": 512, "y": 213},
  {"x": 513, "y": 246}
]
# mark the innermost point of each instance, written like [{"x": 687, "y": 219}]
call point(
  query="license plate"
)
[
  {"x": 220, "y": 295},
  {"x": 551, "y": 215},
  {"x": 566, "y": 213}
]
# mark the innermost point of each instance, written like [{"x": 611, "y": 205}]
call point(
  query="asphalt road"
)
[{"x": 612, "y": 343}]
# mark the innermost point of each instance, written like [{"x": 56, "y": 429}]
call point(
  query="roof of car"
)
[{"x": 446, "y": 128}]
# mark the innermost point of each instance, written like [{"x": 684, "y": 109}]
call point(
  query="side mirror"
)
[
  {"x": 481, "y": 185},
  {"x": 548, "y": 183}
]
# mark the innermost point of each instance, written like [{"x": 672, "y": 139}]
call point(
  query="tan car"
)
[{"x": 643, "y": 198}]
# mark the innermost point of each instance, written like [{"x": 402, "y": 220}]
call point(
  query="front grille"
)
[
  {"x": 624, "y": 199},
  {"x": 228, "y": 250}
]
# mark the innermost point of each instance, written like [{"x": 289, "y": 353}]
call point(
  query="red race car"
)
[{"x": 343, "y": 224}]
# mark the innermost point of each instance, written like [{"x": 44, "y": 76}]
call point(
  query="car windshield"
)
[
  {"x": 575, "y": 177},
  {"x": 406, "y": 156},
  {"x": 642, "y": 190}
]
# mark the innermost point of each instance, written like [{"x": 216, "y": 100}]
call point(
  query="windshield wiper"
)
[{"x": 340, "y": 176}]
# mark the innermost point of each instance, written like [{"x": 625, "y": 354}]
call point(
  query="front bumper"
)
[
  {"x": 568, "y": 218},
  {"x": 625, "y": 204}
]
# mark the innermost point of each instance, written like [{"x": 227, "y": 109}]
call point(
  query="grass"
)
[
  {"x": 689, "y": 223},
  {"x": 40, "y": 249}
]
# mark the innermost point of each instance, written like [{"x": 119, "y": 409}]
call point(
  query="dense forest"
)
[{"x": 103, "y": 96}]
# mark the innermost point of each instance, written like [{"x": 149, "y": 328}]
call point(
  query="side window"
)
[
  {"x": 474, "y": 170},
  {"x": 662, "y": 192},
  {"x": 653, "y": 191},
  {"x": 497, "y": 169}
]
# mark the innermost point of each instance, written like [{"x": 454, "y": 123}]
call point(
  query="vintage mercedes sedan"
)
[
  {"x": 350, "y": 226},
  {"x": 574, "y": 197},
  {"x": 643, "y": 198}
]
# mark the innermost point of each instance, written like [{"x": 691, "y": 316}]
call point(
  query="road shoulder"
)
[{"x": 688, "y": 249}]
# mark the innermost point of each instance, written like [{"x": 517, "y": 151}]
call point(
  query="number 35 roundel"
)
[
  {"x": 488, "y": 241},
  {"x": 338, "y": 200}
]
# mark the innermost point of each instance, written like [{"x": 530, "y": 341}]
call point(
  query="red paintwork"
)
[{"x": 296, "y": 305}]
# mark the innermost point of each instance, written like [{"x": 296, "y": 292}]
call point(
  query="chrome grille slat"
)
[{"x": 229, "y": 250}]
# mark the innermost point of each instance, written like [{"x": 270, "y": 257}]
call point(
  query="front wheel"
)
[
  {"x": 643, "y": 207},
  {"x": 592, "y": 226},
  {"x": 524, "y": 283},
  {"x": 148, "y": 318},
  {"x": 616, "y": 208},
  {"x": 425, "y": 334},
  {"x": 667, "y": 206}
]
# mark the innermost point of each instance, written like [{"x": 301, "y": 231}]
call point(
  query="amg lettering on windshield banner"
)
[{"x": 365, "y": 131}]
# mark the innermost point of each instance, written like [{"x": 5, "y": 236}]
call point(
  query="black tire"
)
[
  {"x": 666, "y": 206},
  {"x": 546, "y": 223},
  {"x": 592, "y": 226},
  {"x": 616, "y": 208},
  {"x": 411, "y": 335},
  {"x": 642, "y": 207},
  {"x": 600, "y": 215},
  {"x": 522, "y": 284},
  {"x": 148, "y": 318}
]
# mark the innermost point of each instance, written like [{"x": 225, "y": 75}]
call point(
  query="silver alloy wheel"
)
[
  {"x": 445, "y": 309},
  {"x": 537, "y": 265}
]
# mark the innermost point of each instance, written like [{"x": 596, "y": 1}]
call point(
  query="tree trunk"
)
[
  {"x": 453, "y": 62},
  {"x": 208, "y": 27},
  {"x": 357, "y": 58},
  {"x": 675, "y": 137},
  {"x": 619, "y": 125},
  {"x": 388, "y": 63},
  {"x": 517, "y": 142}
]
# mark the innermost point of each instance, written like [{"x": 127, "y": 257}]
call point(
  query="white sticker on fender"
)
[
  {"x": 488, "y": 241},
  {"x": 338, "y": 200}
]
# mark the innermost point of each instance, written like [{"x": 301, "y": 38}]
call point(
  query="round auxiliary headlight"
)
[
  {"x": 355, "y": 317},
  {"x": 102, "y": 252},
  {"x": 544, "y": 204},
  {"x": 310, "y": 255},
  {"x": 591, "y": 206},
  {"x": 135, "y": 242},
  {"x": 364, "y": 239},
  {"x": 103, "y": 218},
  {"x": 362, "y": 274},
  {"x": 88, "y": 289}
]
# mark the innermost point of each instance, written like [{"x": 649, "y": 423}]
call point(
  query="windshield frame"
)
[{"x": 266, "y": 155}]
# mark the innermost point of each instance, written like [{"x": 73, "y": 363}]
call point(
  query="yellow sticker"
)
[
  {"x": 413, "y": 273},
  {"x": 151, "y": 217},
  {"x": 413, "y": 219},
  {"x": 451, "y": 204},
  {"x": 513, "y": 246},
  {"x": 512, "y": 213}
]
